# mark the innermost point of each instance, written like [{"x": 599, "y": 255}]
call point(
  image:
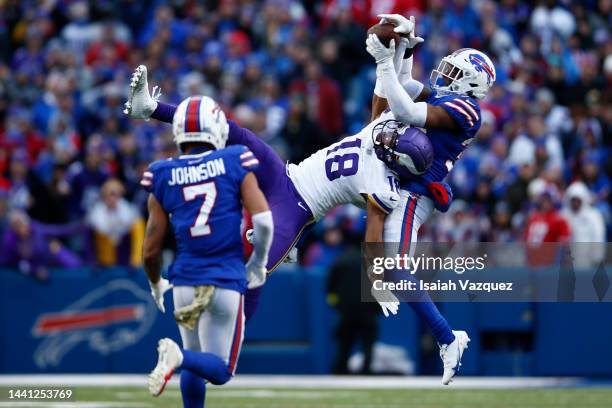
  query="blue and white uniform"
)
[
  {"x": 416, "y": 204},
  {"x": 201, "y": 194}
]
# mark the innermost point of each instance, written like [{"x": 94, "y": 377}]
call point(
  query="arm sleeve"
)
[
  {"x": 398, "y": 62},
  {"x": 403, "y": 107},
  {"x": 465, "y": 113},
  {"x": 263, "y": 231},
  {"x": 412, "y": 86}
]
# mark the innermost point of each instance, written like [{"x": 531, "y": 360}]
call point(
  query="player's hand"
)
[
  {"x": 401, "y": 23},
  {"x": 387, "y": 301},
  {"x": 377, "y": 50},
  {"x": 413, "y": 40},
  {"x": 157, "y": 291},
  {"x": 256, "y": 274}
]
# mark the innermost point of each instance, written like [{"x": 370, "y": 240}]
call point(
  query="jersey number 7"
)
[{"x": 209, "y": 191}]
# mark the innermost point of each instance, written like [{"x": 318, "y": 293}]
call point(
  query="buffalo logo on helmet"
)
[{"x": 481, "y": 65}]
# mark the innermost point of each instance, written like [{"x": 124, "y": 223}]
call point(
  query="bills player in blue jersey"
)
[
  {"x": 298, "y": 194},
  {"x": 450, "y": 114},
  {"x": 200, "y": 196}
]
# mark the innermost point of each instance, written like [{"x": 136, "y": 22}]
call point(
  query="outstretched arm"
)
[
  {"x": 404, "y": 108},
  {"x": 255, "y": 203},
  {"x": 374, "y": 234},
  {"x": 402, "y": 61}
]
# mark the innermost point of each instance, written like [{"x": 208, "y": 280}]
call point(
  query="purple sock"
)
[
  {"x": 193, "y": 390},
  {"x": 164, "y": 112},
  {"x": 251, "y": 300},
  {"x": 206, "y": 365}
]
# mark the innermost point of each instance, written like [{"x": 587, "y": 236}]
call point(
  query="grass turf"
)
[{"x": 130, "y": 397}]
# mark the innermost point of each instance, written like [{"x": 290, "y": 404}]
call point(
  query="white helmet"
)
[
  {"x": 466, "y": 72},
  {"x": 200, "y": 119}
]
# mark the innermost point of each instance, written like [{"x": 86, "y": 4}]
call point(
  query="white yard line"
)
[{"x": 297, "y": 381}]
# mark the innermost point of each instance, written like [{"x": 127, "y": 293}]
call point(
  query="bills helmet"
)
[
  {"x": 465, "y": 72},
  {"x": 405, "y": 150},
  {"x": 200, "y": 119}
]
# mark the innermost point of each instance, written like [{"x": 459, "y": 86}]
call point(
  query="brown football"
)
[{"x": 385, "y": 33}]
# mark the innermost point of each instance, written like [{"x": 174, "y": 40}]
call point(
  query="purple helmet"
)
[{"x": 405, "y": 150}]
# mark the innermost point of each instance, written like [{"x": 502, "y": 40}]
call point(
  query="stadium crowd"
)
[{"x": 298, "y": 75}]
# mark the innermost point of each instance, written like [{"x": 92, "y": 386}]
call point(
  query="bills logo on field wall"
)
[{"x": 104, "y": 328}]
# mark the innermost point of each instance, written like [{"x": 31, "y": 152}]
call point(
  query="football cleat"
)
[
  {"x": 451, "y": 355},
  {"x": 170, "y": 358},
  {"x": 141, "y": 104}
]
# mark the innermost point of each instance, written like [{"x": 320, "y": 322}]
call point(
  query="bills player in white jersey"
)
[{"x": 450, "y": 114}]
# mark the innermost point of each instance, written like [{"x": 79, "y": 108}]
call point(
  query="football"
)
[
  {"x": 419, "y": 150},
  {"x": 385, "y": 33}
]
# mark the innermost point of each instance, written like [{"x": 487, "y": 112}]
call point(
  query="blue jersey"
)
[
  {"x": 201, "y": 194},
  {"x": 448, "y": 144}
]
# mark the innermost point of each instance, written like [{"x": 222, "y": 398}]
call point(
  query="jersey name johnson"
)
[
  {"x": 201, "y": 195},
  {"x": 195, "y": 174}
]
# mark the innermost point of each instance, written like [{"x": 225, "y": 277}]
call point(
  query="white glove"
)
[
  {"x": 403, "y": 26},
  {"x": 401, "y": 23},
  {"x": 292, "y": 256},
  {"x": 387, "y": 301},
  {"x": 256, "y": 274},
  {"x": 413, "y": 40},
  {"x": 157, "y": 291},
  {"x": 377, "y": 50}
]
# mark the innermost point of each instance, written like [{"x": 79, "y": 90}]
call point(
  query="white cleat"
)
[
  {"x": 170, "y": 358},
  {"x": 141, "y": 104},
  {"x": 451, "y": 355}
]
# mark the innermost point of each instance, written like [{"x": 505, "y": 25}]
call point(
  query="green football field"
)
[{"x": 134, "y": 397}]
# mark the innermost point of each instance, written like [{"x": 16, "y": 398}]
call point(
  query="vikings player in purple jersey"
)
[
  {"x": 349, "y": 171},
  {"x": 450, "y": 114},
  {"x": 398, "y": 225}
]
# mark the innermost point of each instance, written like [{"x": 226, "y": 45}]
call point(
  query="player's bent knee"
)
[{"x": 222, "y": 378}]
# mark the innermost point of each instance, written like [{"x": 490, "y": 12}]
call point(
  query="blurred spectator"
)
[
  {"x": 297, "y": 73},
  {"x": 357, "y": 319},
  {"x": 545, "y": 227},
  {"x": 323, "y": 99},
  {"x": 502, "y": 229},
  {"x": 86, "y": 178},
  {"x": 546, "y": 224},
  {"x": 587, "y": 226},
  {"x": 117, "y": 226},
  {"x": 32, "y": 246},
  {"x": 343, "y": 230},
  {"x": 301, "y": 133}
]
